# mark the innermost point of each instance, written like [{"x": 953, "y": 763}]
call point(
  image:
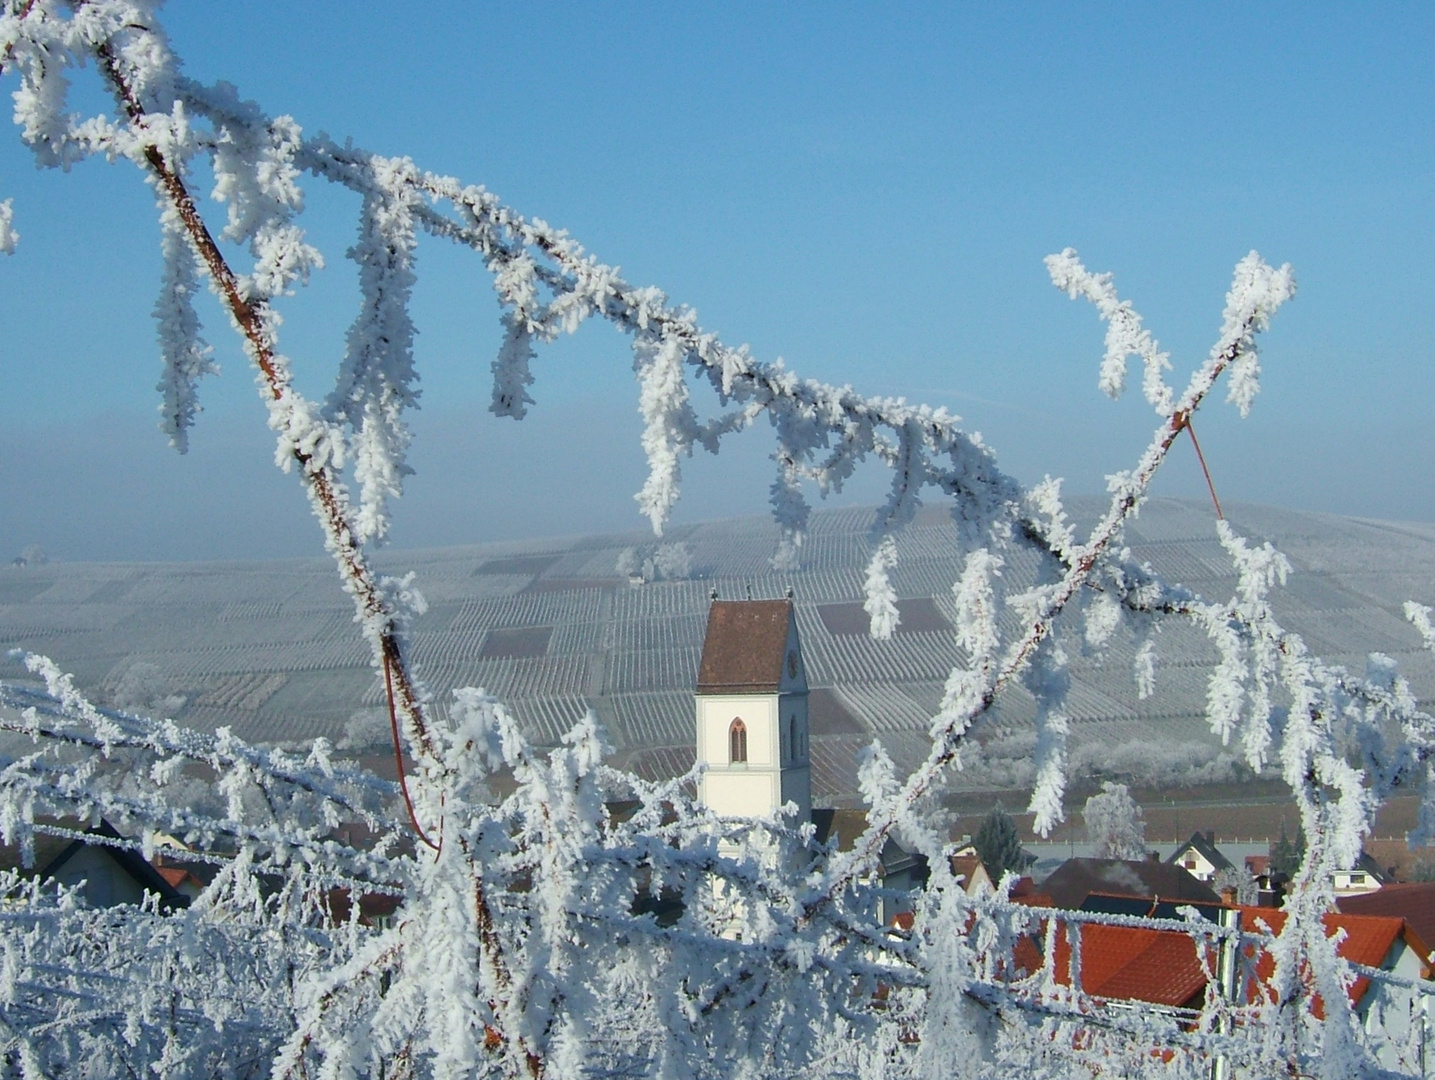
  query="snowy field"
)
[{"x": 554, "y": 627}]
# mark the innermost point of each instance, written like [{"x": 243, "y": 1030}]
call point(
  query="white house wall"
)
[
  {"x": 1203, "y": 869},
  {"x": 767, "y": 780},
  {"x": 1396, "y": 1018}
]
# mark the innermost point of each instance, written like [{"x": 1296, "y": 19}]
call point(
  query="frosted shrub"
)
[
  {"x": 145, "y": 689},
  {"x": 527, "y": 938},
  {"x": 1114, "y": 824},
  {"x": 656, "y": 562}
]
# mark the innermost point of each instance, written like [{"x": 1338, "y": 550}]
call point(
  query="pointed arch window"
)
[
  {"x": 737, "y": 742},
  {"x": 792, "y": 738}
]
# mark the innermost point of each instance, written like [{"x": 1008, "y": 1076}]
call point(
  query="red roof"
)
[
  {"x": 175, "y": 875},
  {"x": 1368, "y": 940},
  {"x": 1162, "y": 966},
  {"x": 1158, "y": 966},
  {"x": 1165, "y": 970}
]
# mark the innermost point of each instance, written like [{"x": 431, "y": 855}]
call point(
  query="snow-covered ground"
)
[{"x": 555, "y": 627}]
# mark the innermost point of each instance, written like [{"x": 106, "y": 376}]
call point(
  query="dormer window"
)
[{"x": 737, "y": 742}]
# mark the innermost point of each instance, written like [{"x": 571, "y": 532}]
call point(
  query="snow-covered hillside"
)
[{"x": 555, "y": 627}]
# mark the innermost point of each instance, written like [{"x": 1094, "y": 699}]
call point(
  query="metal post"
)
[{"x": 1228, "y": 981}]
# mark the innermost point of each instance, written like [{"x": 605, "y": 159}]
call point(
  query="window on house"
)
[
  {"x": 1357, "y": 879},
  {"x": 737, "y": 742},
  {"x": 792, "y": 735}
]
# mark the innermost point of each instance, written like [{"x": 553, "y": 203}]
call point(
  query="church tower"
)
[{"x": 752, "y": 711}]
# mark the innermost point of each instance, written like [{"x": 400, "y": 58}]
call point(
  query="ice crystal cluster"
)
[{"x": 573, "y": 920}]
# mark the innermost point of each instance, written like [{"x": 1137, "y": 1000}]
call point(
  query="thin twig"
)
[
  {"x": 1077, "y": 575},
  {"x": 21, "y": 16},
  {"x": 1191, "y": 431}
]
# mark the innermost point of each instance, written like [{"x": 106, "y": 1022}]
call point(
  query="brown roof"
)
[
  {"x": 175, "y": 875},
  {"x": 1413, "y": 901},
  {"x": 745, "y": 646}
]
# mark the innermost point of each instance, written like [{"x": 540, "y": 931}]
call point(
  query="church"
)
[
  {"x": 753, "y": 735},
  {"x": 751, "y": 704}
]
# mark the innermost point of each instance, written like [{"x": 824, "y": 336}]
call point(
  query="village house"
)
[
  {"x": 1124, "y": 965},
  {"x": 1073, "y": 881},
  {"x": 1366, "y": 876},
  {"x": 99, "y": 864},
  {"x": 1413, "y": 901},
  {"x": 1200, "y": 857},
  {"x": 1203, "y": 859}
]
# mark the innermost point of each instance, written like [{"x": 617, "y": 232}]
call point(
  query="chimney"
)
[
  {"x": 1210, "y": 836},
  {"x": 1228, "y": 896}
]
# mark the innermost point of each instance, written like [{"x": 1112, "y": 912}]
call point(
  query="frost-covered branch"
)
[{"x": 1255, "y": 294}]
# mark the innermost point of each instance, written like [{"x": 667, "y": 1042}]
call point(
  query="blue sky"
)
[{"x": 866, "y": 193}]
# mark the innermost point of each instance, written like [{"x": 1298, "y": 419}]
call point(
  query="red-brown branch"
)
[
  {"x": 252, "y": 318},
  {"x": 1210, "y": 486},
  {"x": 399, "y": 759}
]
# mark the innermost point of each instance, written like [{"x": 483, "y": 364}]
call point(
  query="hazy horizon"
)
[{"x": 866, "y": 196}]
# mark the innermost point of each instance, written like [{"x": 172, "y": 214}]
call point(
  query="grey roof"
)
[
  {"x": 1367, "y": 864},
  {"x": 1204, "y": 846},
  {"x": 271, "y": 649},
  {"x": 847, "y": 825},
  {"x": 1074, "y": 880},
  {"x": 128, "y": 860}
]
